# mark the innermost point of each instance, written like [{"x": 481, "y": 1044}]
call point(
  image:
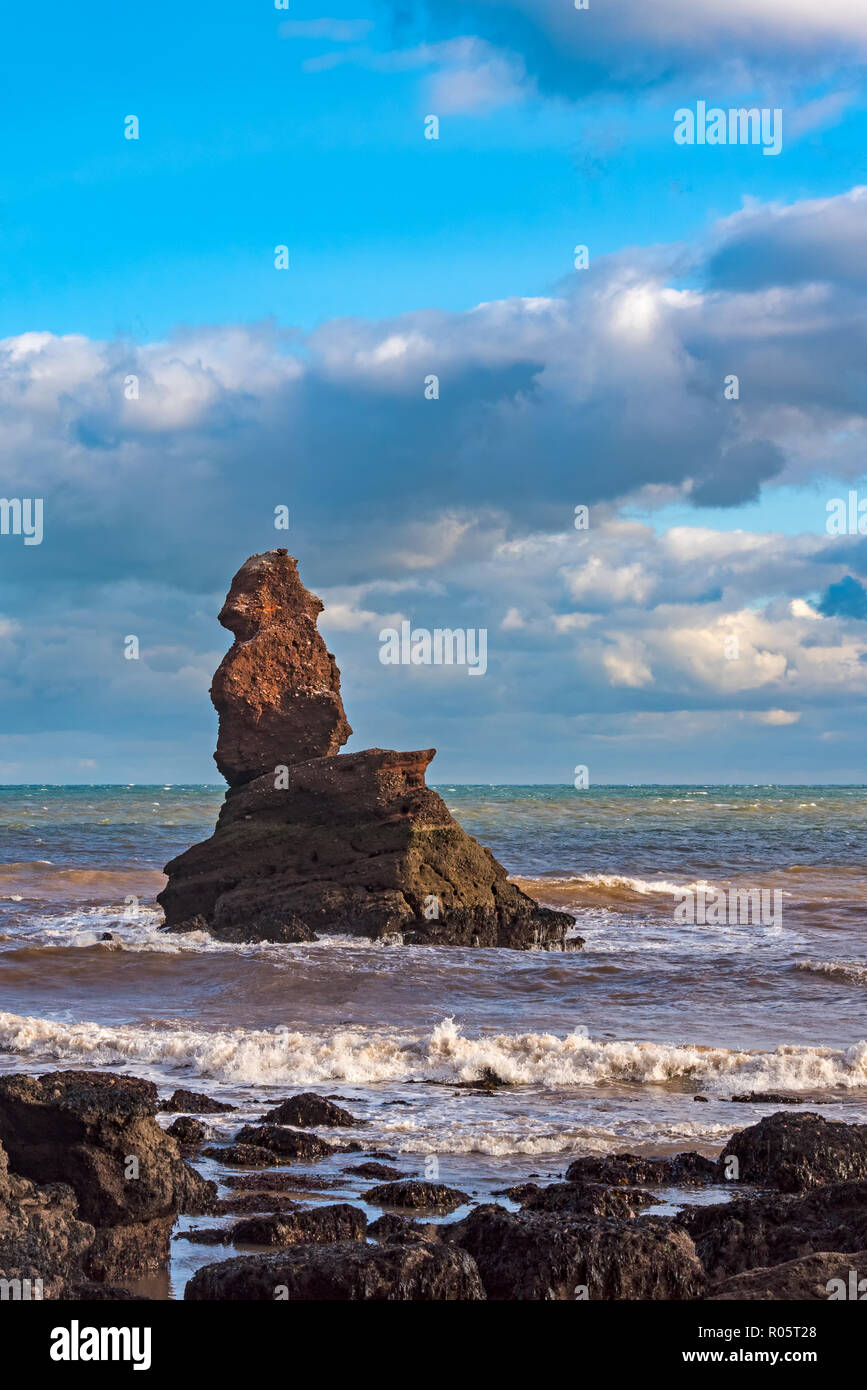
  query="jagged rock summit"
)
[
  {"x": 277, "y": 689},
  {"x": 310, "y": 839}
]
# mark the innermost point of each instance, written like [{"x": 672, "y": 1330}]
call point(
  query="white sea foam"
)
[
  {"x": 643, "y": 886},
  {"x": 366, "y": 1055},
  {"x": 852, "y": 972}
]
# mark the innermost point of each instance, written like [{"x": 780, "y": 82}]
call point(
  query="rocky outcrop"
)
[
  {"x": 43, "y": 1244},
  {"x": 417, "y": 1196},
  {"x": 631, "y": 1170},
  {"x": 325, "y": 1225},
  {"x": 815, "y": 1278},
  {"x": 731, "y": 1237},
  {"x": 797, "y": 1152},
  {"x": 348, "y": 1271},
  {"x": 589, "y": 1199},
  {"x": 391, "y": 1227},
  {"x": 289, "y": 1143},
  {"x": 529, "y": 1255},
  {"x": 307, "y": 1111},
  {"x": 264, "y": 1201},
  {"x": 242, "y": 1155},
  {"x": 310, "y": 840},
  {"x": 277, "y": 690},
  {"x": 98, "y": 1134},
  {"x": 382, "y": 1172},
  {"x": 193, "y": 1103},
  {"x": 188, "y": 1132}
]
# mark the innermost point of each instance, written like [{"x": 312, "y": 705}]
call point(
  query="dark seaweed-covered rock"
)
[
  {"x": 43, "y": 1244},
  {"x": 589, "y": 1199},
  {"x": 255, "y": 1201},
  {"x": 206, "y": 1235},
  {"x": 187, "y": 1131},
  {"x": 391, "y": 1227},
  {"x": 417, "y": 1196},
  {"x": 797, "y": 1152},
  {"x": 537, "y": 1256},
  {"x": 98, "y": 1133},
  {"x": 766, "y": 1098},
  {"x": 90, "y": 1292},
  {"x": 350, "y": 1271},
  {"x": 768, "y": 1230},
  {"x": 630, "y": 1170},
  {"x": 822, "y": 1277},
  {"x": 289, "y": 1143},
  {"x": 242, "y": 1156},
  {"x": 519, "y": 1192},
  {"x": 487, "y": 1080},
  {"x": 194, "y": 1103},
  {"x": 383, "y": 1171},
  {"x": 327, "y": 1225},
  {"x": 307, "y": 1111}
]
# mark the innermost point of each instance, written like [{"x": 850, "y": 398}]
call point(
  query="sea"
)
[{"x": 635, "y": 1043}]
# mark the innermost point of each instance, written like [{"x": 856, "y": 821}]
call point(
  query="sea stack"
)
[{"x": 313, "y": 840}]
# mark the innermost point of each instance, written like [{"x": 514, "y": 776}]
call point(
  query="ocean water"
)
[{"x": 607, "y": 1047}]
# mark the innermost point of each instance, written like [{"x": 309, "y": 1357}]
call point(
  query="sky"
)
[{"x": 166, "y": 389}]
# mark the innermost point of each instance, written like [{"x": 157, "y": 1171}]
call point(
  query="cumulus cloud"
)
[
  {"x": 779, "y": 717},
  {"x": 458, "y": 511},
  {"x": 611, "y": 388},
  {"x": 571, "y": 52}
]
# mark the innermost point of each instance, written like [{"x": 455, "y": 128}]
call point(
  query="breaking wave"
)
[
  {"x": 365, "y": 1055},
  {"x": 851, "y": 972}
]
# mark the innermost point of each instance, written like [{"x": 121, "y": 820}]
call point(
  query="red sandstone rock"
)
[
  {"x": 277, "y": 690},
  {"x": 352, "y": 842}
]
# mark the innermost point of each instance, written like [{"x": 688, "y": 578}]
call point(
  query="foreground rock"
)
[
  {"x": 289, "y": 1143},
  {"x": 797, "y": 1152},
  {"x": 264, "y": 1201},
  {"x": 589, "y": 1199},
  {"x": 90, "y": 1292},
  {"x": 188, "y": 1131},
  {"x": 194, "y": 1103},
  {"x": 814, "y": 1278},
  {"x": 391, "y": 1227},
  {"x": 242, "y": 1156},
  {"x": 373, "y": 1170},
  {"x": 630, "y": 1170},
  {"x": 327, "y": 1225},
  {"x": 311, "y": 840},
  {"x": 349, "y": 1271},
  {"x": 731, "y": 1237},
  {"x": 309, "y": 1110},
  {"x": 536, "y": 1256},
  {"x": 43, "y": 1244},
  {"x": 417, "y": 1196},
  {"x": 98, "y": 1134}
]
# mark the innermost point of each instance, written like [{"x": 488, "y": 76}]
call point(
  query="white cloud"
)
[
  {"x": 779, "y": 717},
  {"x": 625, "y": 664}
]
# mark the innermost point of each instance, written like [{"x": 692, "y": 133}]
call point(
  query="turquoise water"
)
[{"x": 534, "y": 829}]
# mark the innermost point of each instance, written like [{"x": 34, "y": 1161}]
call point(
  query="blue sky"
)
[{"x": 305, "y": 127}]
